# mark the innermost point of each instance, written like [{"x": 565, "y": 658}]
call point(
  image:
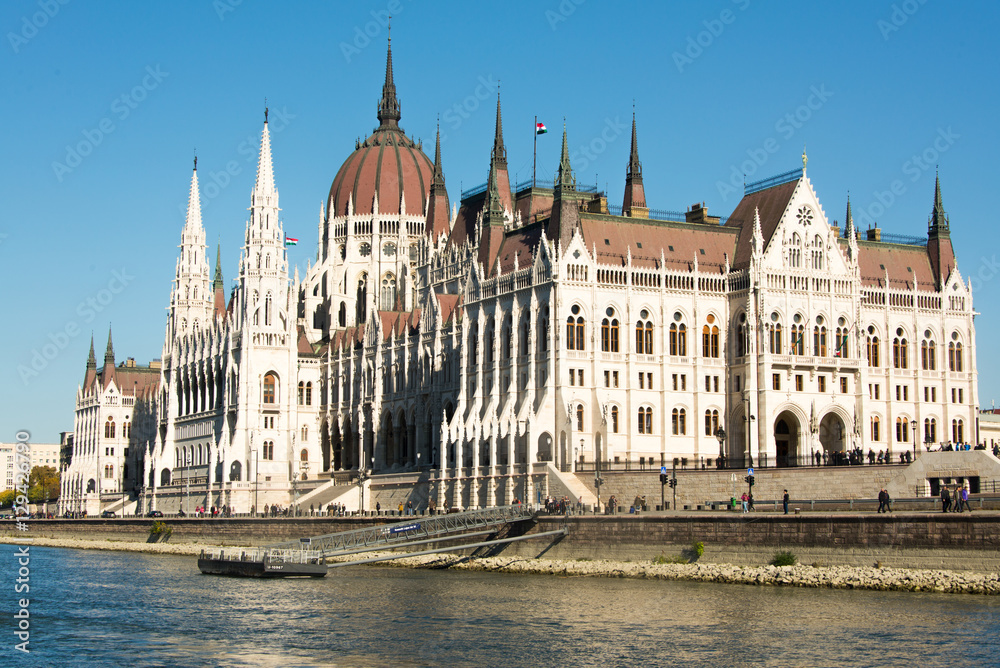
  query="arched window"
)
[
  {"x": 819, "y": 341},
  {"x": 109, "y": 428},
  {"x": 899, "y": 351},
  {"x": 362, "y": 299},
  {"x": 305, "y": 433},
  {"x": 525, "y": 330},
  {"x": 506, "y": 342},
  {"x": 304, "y": 455},
  {"x": 644, "y": 334},
  {"x": 614, "y": 419},
  {"x": 388, "y": 295},
  {"x": 678, "y": 419},
  {"x": 798, "y": 340},
  {"x": 126, "y": 430},
  {"x": 710, "y": 338},
  {"x": 579, "y": 417},
  {"x": 902, "y": 429},
  {"x": 543, "y": 331},
  {"x": 841, "y": 343},
  {"x": 270, "y": 387},
  {"x": 574, "y": 330},
  {"x": 302, "y": 393},
  {"x": 928, "y": 355},
  {"x": 774, "y": 339},
  {"x": 930, "y": 430},
  {"x": 957, "y": 431},
  {"x": 609, "y": 333},
  {"x": 267, "y": 451},
  {"x": 876, "y": 432},
  {"x": 711, "y": 422},
  {"x": 474, "y": 346},
  {"x": 267, "y": 309},
  {"x": 109, "y": 471},
  {"x": 817, "y": 252},
  {"x": 955, "y": 356},
  {"x": 872, "y": 350},
  {"x": 645, "y": 420}
]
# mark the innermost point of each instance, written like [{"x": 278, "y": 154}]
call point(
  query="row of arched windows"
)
[
  {"x": 904, "y": 427},
  {"x": 901, "y": 357},
  {"x": 611, "y": 334},
  {"x": 110, "y": 431}
]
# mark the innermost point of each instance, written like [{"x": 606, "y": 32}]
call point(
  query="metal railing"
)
[{"x": 388, "y": 535}]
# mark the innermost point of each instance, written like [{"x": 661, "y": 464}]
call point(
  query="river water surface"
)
[{"x": 93, "y": 608}]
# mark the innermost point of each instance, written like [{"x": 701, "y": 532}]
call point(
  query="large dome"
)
[{"x": 388, "y": 163}]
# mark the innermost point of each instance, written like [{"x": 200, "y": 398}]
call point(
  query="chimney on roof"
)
[
  {"x": 599, "y": 204},
  {"x": 874, "y": 234},
  {"x": 698, "y": 213}
]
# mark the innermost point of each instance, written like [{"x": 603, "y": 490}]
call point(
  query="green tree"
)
[
  {"x": 43, "y": 484},
  {"x": 7, "y": 498}
]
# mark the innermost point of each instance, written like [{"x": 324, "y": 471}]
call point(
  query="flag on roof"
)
[
  {"x": 290, "y": 241},
  {"x": 540, "y": 128}
]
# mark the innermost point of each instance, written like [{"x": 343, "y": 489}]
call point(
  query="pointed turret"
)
[
  {"x": 388, "y": 106},
  {"x": 848, "y": 219},
  {"x": 264, "y": 185},
  {"x": 634, "y": 203},
  {"x": 498, "y": 164},
  {"x": 564, "y": 175},
  {"x": 437, "y": 208},
  {"x": 91, "y": 360},
  {"x": 109, "y": 353},
  {"x": 219, "y": 286},
  {"x": 193, "y": 220},
  {"x": 939, "y": 248},
  {"x": 938, "y": 222},
  {"x": 565, "y": 215}
]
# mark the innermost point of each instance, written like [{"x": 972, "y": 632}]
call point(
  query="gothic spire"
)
[
  {"x": 438, "y": 182},
  {"x": 848, "y": 219},
  {"x": 437, "y": 206},
  {"x": 264, "y": 185},
  {"x": 634, "y": 202},
  {"x": 388, "y": 106},
  {"x": 109, "y": 354},
  {"x": 193, "y": 220},
  {"x": 564, "y": 176},
  {"x": 499, "y": 154},
  {"x": 218, "y": 283},
  {"x": 938, "y": 223},
  {"x": 91, "y": 360},
  {"x": 494, "y": 207}
]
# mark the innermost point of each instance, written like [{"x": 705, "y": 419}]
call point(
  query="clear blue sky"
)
[{"x": 139, "y": 86}]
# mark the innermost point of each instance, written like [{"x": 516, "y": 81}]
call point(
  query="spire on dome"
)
[
  {"x": 564, "y": 176},
  {"x": 499, "y": 154},
  {"x": 438, "y": 182},
  {"x": 109, "y": 354},
  {"x": 193, "y": 220},
  {"x": 938, "y": 223},
  {"x": 388, "y": 106},
  {"x": 91, "y": 360},
  {"x": 634, "y": 170}
]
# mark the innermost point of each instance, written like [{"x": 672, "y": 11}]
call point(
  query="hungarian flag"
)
[
  {"x": 290, "y": 241},
  {"x": 841, "y": 348},
  {"x": 540, "y": 128}
]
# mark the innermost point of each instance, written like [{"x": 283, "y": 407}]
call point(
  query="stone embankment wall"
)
[{"x": 968, "y": 541}]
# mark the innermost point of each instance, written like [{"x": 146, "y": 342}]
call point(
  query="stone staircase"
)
[
  {"x": 329, "y": 492},
  {"x": 571, "y": 486}
]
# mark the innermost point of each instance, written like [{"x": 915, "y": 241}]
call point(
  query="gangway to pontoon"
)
[{"x": 501, "y": 525}]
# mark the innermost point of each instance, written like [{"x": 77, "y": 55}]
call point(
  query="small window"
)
[
  {"x": 670, "y": 248},
  {"x": 638, "y": 244},
  {"x": 607, "y": 242},
  {"x": 701, "y": 250}
]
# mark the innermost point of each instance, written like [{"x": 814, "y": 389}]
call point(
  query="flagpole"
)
[{"x": 534, "y": 153}]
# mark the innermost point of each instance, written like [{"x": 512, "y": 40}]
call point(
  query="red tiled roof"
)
[
  {"x": 771, "y": 202},
  {"x": 304, "y": 347},
  {"x": 680, "y": 243},
  {"x": 901, "y": 262},
  {"x": 448, "y": 305}
]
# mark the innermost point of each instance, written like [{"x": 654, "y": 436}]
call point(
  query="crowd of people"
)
[{"x": 960, "y": 496}]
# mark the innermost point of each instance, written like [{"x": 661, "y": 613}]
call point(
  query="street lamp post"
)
[
  {"x": 749, "y": 426},
  {"x": 913, "y": 426},
  {"x": 256, "y": 467},
  {"x": 720, "y": 434}
]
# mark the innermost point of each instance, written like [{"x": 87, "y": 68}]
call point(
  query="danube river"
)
[{"x": 93, "y": 608}]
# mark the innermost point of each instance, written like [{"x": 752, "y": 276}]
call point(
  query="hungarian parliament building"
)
[{"x": 470, "y": 355}]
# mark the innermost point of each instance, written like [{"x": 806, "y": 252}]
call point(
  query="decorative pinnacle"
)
[
  {"x": 564, "y": 177},
  {"x": 634, "y": 170},
  {"x": 438, "y": 172},
  {"x": 805, "y": 158},
  {"x": 91, "y": 359},
  {"x": 499, "y": 154},
  {"x": 388, "y": 107}
]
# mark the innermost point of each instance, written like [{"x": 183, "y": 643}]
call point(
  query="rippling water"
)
[{"x": 121, "y": 609}]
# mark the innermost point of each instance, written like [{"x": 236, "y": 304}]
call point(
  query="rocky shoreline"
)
[{"x": 829, "y": 577}]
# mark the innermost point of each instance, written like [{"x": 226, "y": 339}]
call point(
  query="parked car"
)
[
  {"x": 109, "y": 513},
  {"x": 154, "y": 513}
]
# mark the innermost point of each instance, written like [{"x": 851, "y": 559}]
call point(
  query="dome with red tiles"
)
[{"x": 388, "y": 163}]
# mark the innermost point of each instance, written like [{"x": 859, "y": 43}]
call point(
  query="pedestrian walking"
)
[
  {"x": 784, "y": 501},
  {"x": 744, "y": 500},
  {"x": 945, "y": 499},
  {"x": 965, "y": 499},
  {"x": 881, "y": 501}
]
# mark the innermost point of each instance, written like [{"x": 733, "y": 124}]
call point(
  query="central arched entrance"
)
[
  {"x": 786, "y": 439},
  {"x": 833, "y": 433}
]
